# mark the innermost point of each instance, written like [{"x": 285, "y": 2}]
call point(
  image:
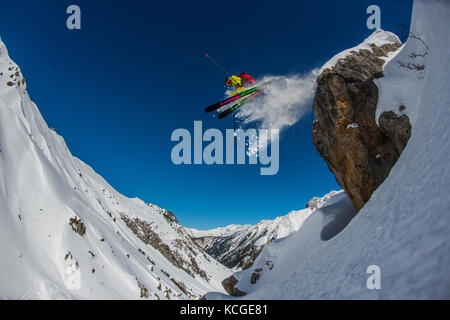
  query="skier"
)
[
  {"x": 239, "y": 82},
  {"x": 241, "y": 94}
]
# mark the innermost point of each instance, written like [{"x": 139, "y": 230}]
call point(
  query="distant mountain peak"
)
[{"x": 237, "y": 246}]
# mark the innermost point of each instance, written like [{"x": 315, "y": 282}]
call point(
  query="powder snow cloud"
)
[{"x": 286, "y": 99}]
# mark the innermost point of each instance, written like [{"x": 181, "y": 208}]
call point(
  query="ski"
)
[
  {"x": 220, "y": 104},
  {"x": 239, "y": 104}
]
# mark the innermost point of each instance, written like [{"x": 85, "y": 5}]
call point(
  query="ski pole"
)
[{"x": 217, "y": 64}]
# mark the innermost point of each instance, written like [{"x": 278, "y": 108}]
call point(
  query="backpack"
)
[{"x": 246, "y": 78}]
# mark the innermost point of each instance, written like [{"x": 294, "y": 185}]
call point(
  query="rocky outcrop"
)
[
  {"x": 256, "y": 274},
  {"x": 146, "y": 233},
  {"x": 345, "y": 133},
  {"x": 77, "y": 226},
  {"x": 237, "y": 250},
  {"x": 229, "y": 286}
]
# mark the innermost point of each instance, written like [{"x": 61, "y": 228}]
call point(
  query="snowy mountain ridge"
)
[
  {"x": 66, "y": 233},
  {"x": 236, "y": 246},
  {"x": 217, "y": 232}
]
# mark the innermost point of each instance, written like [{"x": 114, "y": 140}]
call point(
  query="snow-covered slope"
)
[
  {"x": 404, "y": 228},
  {"x": 236, "y": 246},
  {"x": 66, "y": 233}
]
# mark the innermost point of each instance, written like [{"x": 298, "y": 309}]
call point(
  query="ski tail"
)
[
  {"x": 225, "y": 113},
  {"x": 233, "y": 108}
]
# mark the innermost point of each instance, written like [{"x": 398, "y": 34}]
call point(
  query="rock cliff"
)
[{"x": 358, "y": 151}]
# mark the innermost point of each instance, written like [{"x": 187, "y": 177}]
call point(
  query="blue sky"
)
[{"x": 117, "y": 88}]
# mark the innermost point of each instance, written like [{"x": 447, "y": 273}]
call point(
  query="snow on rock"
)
[
  {"x": 404, "y": 228},
  {"x": 66, "y": 233},
  {"x": 394, "y": 94},
  {"x": 378, "y": 37}
]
